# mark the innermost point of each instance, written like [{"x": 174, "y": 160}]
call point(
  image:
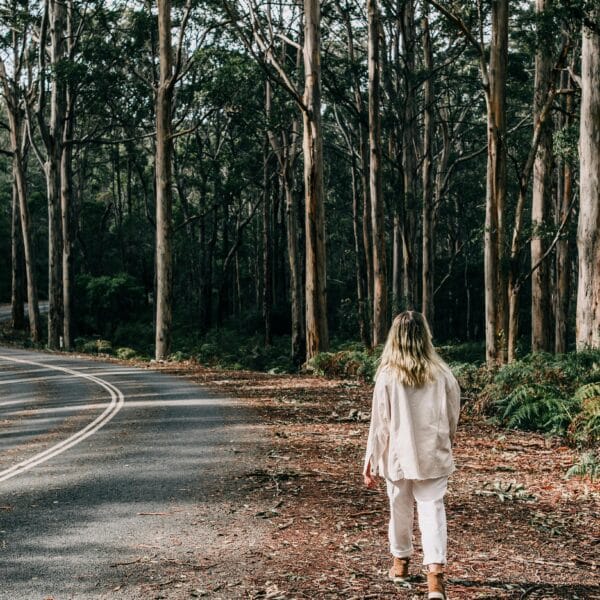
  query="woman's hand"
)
[{"x": 370, "y": 480}]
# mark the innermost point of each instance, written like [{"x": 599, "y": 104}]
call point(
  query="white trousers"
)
[{"x": 429, "y": 495}]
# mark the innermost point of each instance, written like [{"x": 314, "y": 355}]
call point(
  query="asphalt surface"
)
[{"x": 98, "y": 462}]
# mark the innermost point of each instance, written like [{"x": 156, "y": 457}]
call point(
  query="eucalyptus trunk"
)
[
  {"x": 16, "y": 297},
  {"x": 52, "y": 171},
  {"x": 377, "y": 207},
  {"x": 164, "y": 199},
  {"x": 541, "y": 308},
  {"x": 563, "y": 260},
  {"x": 588, "y": 230},
  {"x": 408, "y": 213},
  {"x": 427, "y": 273},
  {"x": 317, "y": 335},
  {"x": 496, "y": 300}
]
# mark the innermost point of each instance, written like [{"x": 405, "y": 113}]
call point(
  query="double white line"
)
[{"x": 116, "y": 403}]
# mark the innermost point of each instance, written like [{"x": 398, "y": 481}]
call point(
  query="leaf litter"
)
[{"x": 517, "y": 528}]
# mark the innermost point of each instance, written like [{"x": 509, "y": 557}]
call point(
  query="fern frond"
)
[
  {"x": 588, "y": 465},
  {"x": 590, "y": 390}
]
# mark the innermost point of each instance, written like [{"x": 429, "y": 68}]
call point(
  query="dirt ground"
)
[{"x": 302, "y": 525}]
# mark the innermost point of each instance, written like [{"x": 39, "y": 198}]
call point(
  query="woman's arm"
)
[
  {"x": 379, "y": 428},
  {"x": 453, "y": 399}
]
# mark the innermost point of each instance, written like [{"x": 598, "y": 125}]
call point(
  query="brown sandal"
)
[
  {"x": 435, "y": 583},
  {"x": 399, "y": 570}
]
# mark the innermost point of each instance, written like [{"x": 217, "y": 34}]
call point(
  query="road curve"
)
[{"x": 91, "y": 455}]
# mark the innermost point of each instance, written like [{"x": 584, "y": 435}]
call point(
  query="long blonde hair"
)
[{"x": 409, "y": 351}]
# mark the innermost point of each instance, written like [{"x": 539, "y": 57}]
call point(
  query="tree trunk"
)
[
  {"x": 541, "y": 317},
  {"x": 496, "y": 300},
  {"x": 409, "y": 141},
  {"x": 33, "y": 310},
  {"x": 588, "y": 230},
  {"x": 317, "y": 335},
  {"x": 377, "y": 207},
  {"x": 361, "y": 279},
  {"x": 563, "y": 259},
  {"x": 293, "y": 248},
  {"x": 164, "y": 200},
  {"x": 66, "y": 194},
  {"x": 267, "y": 239},
  {"x": 16, "y": 297},
  {"x": 367, "y": 234},
  {"x": 428, "y": 214},
  {"x": 362, "y": 312},
  {"x": 52, "y": 167}
]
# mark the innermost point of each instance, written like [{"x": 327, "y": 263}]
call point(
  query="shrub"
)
[
  {"x": 588, "y": 465},
  {"x": 178, "y": 356},
  {"x": 538, "y": 407},
  {"x": 105, "y": 302},
  {"x": 97, "y": 346},
  {"x": 585, "y": 427},
  {"x": 125, "y": 353},
  {"x": 346, "y": 364},
  {"x": 552, "y": 394},
  {"x": 468, "y": 352}
]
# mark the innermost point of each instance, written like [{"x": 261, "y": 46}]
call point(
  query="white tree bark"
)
[{"x": 588, "y": 231}]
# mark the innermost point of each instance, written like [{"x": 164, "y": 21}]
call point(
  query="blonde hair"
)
[{"x": 409, "y": 351}]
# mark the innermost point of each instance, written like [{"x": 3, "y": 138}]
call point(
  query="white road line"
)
[{"x": 117, "y": 401}]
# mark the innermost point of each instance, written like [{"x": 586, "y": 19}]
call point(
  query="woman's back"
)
[{"x": 421, "y": 424}]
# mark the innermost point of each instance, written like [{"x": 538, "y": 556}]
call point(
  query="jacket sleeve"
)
[
  {"x": 379, "y": 429},
  {"x": 453, "y": 399}
]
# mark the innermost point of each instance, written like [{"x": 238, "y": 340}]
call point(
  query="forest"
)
[
  {"x": 210, "y": 213},
  {"x": 300, "y": 172}
]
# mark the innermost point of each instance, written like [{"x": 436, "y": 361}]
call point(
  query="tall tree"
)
[
  {"x": 405, "y": 226},
  {"x": 13, "y": 96},
  {"x": 72, "y": 35},
  {"x": 541, "y": 317},
  {"x": 51, "y": 45},
  {"x": 169, "y": 73},
  {"x": 377, "y": 207},
  {"x": 588, "y": 231},
  {"x": 496, "y": 301},
  {"x": 427, "y": 175},
  {"x": 16, "y": 297},
  {"x": 563, "y": 202},
  {"x": 164, "y": 197},
  {"x": 317, "y": 333}
]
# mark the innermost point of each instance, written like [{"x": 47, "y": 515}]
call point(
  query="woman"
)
[{"x": 416, "y": 404}]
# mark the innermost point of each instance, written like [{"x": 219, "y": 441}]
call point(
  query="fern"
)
[
  {"x": 590, "y": 390},
  {"x": 538, "y": 407},
  {"x": 588, "y": 465},
  {"x": 585, "y": 427}
]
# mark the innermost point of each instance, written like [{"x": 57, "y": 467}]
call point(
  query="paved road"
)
[{"x": 98, "y": 461}]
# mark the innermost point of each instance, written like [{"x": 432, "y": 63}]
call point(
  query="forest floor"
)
[{"x": 517, "y": 528}]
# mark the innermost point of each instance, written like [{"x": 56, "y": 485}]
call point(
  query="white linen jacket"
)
[{"x": 412, "y": 428}]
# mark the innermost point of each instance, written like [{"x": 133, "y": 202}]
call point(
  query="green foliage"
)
[
  {"x": 585, "y": 427},
  {"x": 468, "y": 352},
  {"x": 536, "y": 407},
  {"x": 105, "y": 302},
  {"x": 229, "y": 349},
  {"x": 551, "y": 394},
  {"x": 565, "y": 143},
  {"x": 138, "y": 334},
  {"x": 125, "y": 353},
  {"x": 473, "y": 379},
  {"x": 96, "y": 346},
  {"x": 347, "y": 364},
  {"x": 588, "y": 465}
]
